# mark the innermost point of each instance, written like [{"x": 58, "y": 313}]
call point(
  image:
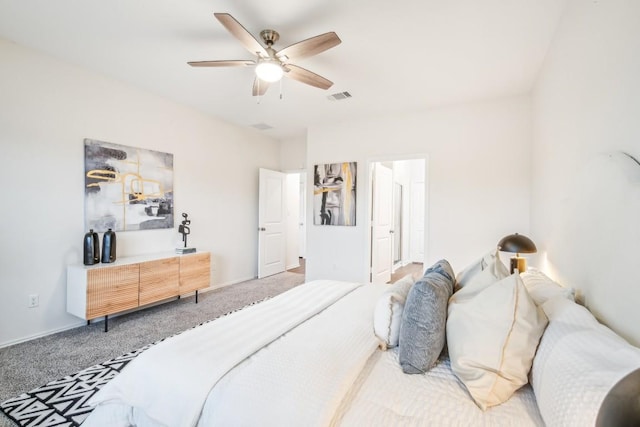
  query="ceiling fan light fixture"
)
[
  {"x": 270, "y": 64},
  {"x": 269, "y": 71}
]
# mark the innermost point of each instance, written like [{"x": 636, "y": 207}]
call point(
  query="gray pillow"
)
[{"x": 423, "y": 326}]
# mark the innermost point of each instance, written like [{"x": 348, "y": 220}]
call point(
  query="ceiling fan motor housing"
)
[{"x": 269, "y": 36}]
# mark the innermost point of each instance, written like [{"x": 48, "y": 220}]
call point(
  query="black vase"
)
[
  {"x": 109, "y": 246},
  {"x": 91, "y": 248}
]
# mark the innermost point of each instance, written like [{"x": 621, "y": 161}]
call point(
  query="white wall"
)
[
  {"x": 293, "y": 154},
  {"x": 479, "y": 179},
  {"x": 585, "y": 196},
  {"x": 48, "y": 108}
]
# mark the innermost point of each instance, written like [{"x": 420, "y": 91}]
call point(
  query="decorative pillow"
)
[
  {"x": 468, "y": 272},
  {"x": 542, "y": 288},
  {"x": 492, "y": 339},
  {"x": 488, "y": 269},
  {"x": 422, "y": 330},
  {"x": 578, "y": 361},
  {"x": 388, "y": 312}
]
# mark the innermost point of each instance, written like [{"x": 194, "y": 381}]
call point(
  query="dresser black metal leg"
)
[
  {"x": 196, "y": 297},
  {"x": 106, "y": 323}
]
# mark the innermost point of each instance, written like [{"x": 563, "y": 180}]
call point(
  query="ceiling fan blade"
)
[
  {"x": 259, "y": 87},
  {"x": 305, "y": 76},
  {"x": 310, "y": 47},
  {"x": 233, "y": 63},
  {"x": 238, "y": 31}
]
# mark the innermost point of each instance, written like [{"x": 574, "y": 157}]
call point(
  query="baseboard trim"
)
[
  {"x": 233, "y": 282},
  {"x": 42, "y": 334},
  {"x": 101, "y": 319}
]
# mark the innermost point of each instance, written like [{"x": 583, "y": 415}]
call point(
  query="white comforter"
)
[
  {"x": 169, "y": 383},
  {"x": 323, "y": 372},
  {"x": 302, "y": 378}
]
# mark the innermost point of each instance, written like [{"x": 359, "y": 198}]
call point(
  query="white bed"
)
[{"x": 322, "y": 366}]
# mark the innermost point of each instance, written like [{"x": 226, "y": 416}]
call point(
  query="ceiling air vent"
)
[
  {"x": 339, "y": 96},
  {"x": 262, "y": 126}
]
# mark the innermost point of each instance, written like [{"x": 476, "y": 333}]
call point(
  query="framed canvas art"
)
[
  {"x": 334, "y": 194},
  {"x": 127, "y": 188}
]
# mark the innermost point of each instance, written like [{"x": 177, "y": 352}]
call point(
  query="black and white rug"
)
[{"x": 63, "y": 402}]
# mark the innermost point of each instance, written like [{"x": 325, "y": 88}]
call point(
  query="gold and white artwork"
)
[{"x": 127, "y": 188}]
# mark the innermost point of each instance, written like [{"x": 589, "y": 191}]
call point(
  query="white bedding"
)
[
  {"x": 324, "y": 371},
  {"x": 578, "y": 362},
  {"x": 300, "y": 379},
  {"x": 385, "y": 396},
  {"x": 168, "y": 384}
]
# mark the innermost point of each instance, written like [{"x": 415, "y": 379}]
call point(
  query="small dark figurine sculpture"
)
[{"x": 184, "y": 229}]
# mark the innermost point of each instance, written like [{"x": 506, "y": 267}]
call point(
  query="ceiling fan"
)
[{"x": 270, "y": 64}]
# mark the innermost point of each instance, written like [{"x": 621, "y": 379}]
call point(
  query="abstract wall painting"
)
[
  {"x": 127, "y": 188},
  {"x": 334, "y": 194}
]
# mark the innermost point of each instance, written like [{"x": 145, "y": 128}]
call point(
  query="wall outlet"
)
[{"x": 34, "y": 300}]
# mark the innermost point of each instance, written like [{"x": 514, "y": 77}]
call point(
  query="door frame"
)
[{"x": 368, "y": 191}]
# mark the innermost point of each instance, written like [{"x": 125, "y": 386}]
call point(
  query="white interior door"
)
[
  {"x": 271, "y": 223},
  {"x": 382, "y": 223}
]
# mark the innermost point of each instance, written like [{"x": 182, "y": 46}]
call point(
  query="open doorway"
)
[
  {"x": 296, "y": 221},
  {"x": 398, "y": 212},
  {"x": 397, "y": 220}
]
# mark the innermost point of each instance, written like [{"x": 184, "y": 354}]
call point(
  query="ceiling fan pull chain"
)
[{"x": 281, "y": 97}]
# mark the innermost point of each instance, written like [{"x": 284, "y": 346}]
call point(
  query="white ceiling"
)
[{"x": 394, "y": 57}]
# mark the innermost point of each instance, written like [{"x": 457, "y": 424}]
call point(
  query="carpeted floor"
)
[
  {"x": 31, "y": 364},
  {"x": 415, "y": 268}
]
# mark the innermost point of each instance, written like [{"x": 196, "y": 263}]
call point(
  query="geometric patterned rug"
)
[{"x": 63, "y": 402}]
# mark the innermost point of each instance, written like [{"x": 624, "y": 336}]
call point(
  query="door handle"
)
[{"x": 262, "y": 229}]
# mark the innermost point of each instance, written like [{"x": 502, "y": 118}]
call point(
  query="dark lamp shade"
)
[{"x": 517, "y": 243}]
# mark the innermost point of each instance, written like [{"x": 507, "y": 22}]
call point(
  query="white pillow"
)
[
  {"x": 486, "y": 270},
  {"x": 578, "y": 361},
  {"x": 492, "y": 335},
  {"x": 542, "y": 288},
  {"x": 387, "y": 315}
]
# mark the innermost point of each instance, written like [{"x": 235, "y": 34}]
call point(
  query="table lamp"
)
[{"x": 520, "y": 245}]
